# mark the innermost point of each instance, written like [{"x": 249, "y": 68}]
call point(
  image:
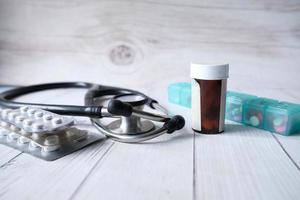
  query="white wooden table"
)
[
  {"x": 146, "y": 45},
  {"x": 242, "y": 163}
]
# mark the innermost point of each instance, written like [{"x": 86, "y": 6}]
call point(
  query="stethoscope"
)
[{"x": 116, "y": 112}]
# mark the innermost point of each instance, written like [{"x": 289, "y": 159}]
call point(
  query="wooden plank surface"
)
[
  {"x": 161, "y": 169},
  {"x": 243, "y": 163},
  {"x": 239, "y": 164},
  {"x": 104, "y": 165}
]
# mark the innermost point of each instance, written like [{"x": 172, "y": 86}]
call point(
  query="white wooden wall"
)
[{"x": 110, "y": 41}]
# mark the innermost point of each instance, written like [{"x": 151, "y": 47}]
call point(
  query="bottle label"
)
[{"x": 208, "y": 105}]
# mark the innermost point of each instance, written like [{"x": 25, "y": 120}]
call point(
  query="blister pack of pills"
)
[{"x": 41, "y": 133}]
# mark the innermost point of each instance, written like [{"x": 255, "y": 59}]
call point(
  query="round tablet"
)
[
  {"x": 47, "y": 117},
  {"x": 24, "y": 109},
  {"x": 31, "y": 111},
  {"x": 4, "y": 124},
  {"x": 51, "y": 140},
  {"x": 36, "y": 136},
  {"x": 23, "y": 132},
  {"x": 280, "y": 129},
  {"x": 57, "y": 121},
  {"x": 278, "y": 121},
  {"x": 37, "y": 126},
  {"x": 12, "y": 116},
  {"x": 33, "y": 145},
  {"x": 50, "y": 148},
  {"x": 5, "y": 113},
  {"x": 3, "y": 132},
  {"x": 28, "y": 122},
  {"x": 13, "y": 136},
  {"x": 23, "y": 140},
  {"x": 19, "y": 119},
  {"x": 254, "y": 121},
  {"x": 14, "y": 128},
  {"x": 39, "y": 114}
]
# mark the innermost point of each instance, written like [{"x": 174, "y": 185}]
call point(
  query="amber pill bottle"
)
[{"x": 209, "y": 85}]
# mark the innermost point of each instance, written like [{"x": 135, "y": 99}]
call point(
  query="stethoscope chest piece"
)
[
  {"x": 130, "y": 126},
  {"x": 129, "y": 122}
]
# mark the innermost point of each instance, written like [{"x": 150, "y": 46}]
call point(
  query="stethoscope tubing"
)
[
  {"x": 95, "y": 112},
  {"x": 88, "y": 110}
]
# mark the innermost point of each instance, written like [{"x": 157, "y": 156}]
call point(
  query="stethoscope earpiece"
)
[{"x": 177, "y": 122}]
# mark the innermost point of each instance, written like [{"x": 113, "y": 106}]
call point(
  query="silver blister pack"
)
[
  {"x": 55, "y": 141},
  {"x": 35, "y": 120}
]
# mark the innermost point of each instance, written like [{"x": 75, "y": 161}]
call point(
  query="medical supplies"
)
[
  {"x": 209, "y": 83},
  {"x": 123, "y": 108},
  {"x": 41, "y": 133},
  {"x": 234, "y": 109},
  {"x": 268, "y": 114}
]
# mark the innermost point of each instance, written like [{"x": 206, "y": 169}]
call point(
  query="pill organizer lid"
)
[
  {"x": 180, "y": 85},
  {"x": 261, "y": 102},
  {"x": 285, "y": 107},
  {"x": 237, "y": 96},
  {"x": 209, "y": 72}
]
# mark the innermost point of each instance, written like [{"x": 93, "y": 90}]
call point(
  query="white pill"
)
[
  {"x": 23, "y": 140},
  {"x": 31, "y": 111},
  {"x": 37, "y": 126},
  {"x": 14, "y": 128},
  {"x": 12, "y": 136},
  {"x": 33, "y": 145},
  {"x": 23, "y": 132},
  {"x": 47, "y": 117},
  {"x": 36, "y": 136},
  {"x": 4, "y": 124},
  {"x": 3, "y": 132},
  {"x": 24, "y": 109},
  {"x": 12, "y": 116},
  {"x": 5, "y": 112},
  {"x": 57, "y": 121},
  {"x": 51, "y": 140},
  {"x": 19, "y": 119},
  {"x": 39, "y": 114},
  {"x": 50, "y": 148},
  {"x": 27, "y": 122}
]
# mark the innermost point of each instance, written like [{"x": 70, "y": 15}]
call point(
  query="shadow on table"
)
[
  {"x": 170, "y": 138},
  {"x": 249, "y": 130},
  {"x": 186, "y": 134},
  {"x": 230, "y": 130}
]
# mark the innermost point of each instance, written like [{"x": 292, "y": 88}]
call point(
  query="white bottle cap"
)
[{"x": 209, "y": 72}]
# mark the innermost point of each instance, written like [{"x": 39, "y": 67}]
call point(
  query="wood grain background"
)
[{"x": 108, "y": 41}]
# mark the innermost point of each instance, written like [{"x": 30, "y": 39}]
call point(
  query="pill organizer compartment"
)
[
  {"x": 180, "y": 94},
  {"x": 234, "y": 105},
  {"x": 254, "y": 111},
  {"x": 283, "y": 118}
]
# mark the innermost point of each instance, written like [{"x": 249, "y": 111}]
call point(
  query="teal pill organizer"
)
[
  {"x": 180, "y": 94},
  {"x": 234, "y": 105},
  {"x": 254, "y": 111},
  {"x": 283, "y": 118},
  {"x": 268, "y": 114}
]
